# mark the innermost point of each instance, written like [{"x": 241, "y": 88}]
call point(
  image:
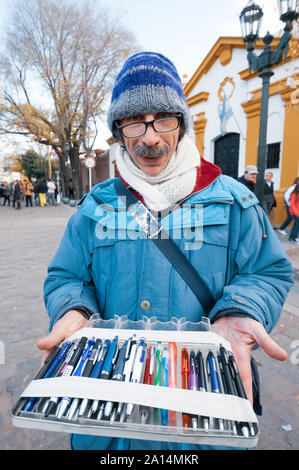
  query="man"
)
[
  {"x": 51, "y": 192},
  {"x": 42, "y": 190},
  {"x": 239, "y": 258},
  {"x": 249, "y": 177},
  {"x": 269, "y": 198}
]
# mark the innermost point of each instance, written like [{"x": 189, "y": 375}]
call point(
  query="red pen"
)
[
  {"x": 185, "y": 382},
  {"x": 149, "y": 367},
  {"x": 172, "y": 378},
  {"x": 147, "y": 379}
]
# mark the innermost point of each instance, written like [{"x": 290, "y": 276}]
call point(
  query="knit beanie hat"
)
[{"x": 147, "y": 83}]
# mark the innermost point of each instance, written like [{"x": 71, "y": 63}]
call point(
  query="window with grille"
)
[{"x": 273, "y": 154}]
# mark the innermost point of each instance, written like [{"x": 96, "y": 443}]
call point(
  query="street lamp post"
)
[{"x": 250, "y": 19}]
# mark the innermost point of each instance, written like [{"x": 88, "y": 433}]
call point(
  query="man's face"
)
[
  {"x": 152, "y": 151},
  {"x": 269, "y": 177},
  {"x": 250, "y": 176}
]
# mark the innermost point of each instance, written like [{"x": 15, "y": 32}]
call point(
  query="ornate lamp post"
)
[{"x": 250, "y": 19}]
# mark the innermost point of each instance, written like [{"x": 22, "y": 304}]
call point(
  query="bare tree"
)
[{"x": 58, "y": 69}]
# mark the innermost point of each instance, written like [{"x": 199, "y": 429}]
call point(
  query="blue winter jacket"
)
[{"x": 106, "y": 265}]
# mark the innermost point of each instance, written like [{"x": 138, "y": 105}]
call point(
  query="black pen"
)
[
  {"x": 226, "y": 381},
  {"x": 117, "y": 375},
  {"x": 202, "y": 382},
  {"x": 239, "y": 386}
]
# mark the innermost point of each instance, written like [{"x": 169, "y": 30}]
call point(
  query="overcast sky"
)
[{"x": 184, "y": 31}]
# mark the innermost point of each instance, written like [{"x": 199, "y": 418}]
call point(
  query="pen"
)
[
  {"x": 239, "y": 391},
  {"x": 47, "y": 363},
  {"x": 212, "y": 371},
  {"x": 193, "y": 384},
  {"x": 165, "y": 363},
  {"x": 185, "y": 382},
  {"x": 158, "y": 379},
  {"x": 51, "y": 403},
  {"x": 117, "y": 375},
  {"x": 202, "y": 382},
  {"x": 131, "y": 354},
  {"x": 225, "y": 386},
  {"x": 137, "y": 369},
  {"x": 51, "y": 370},
  {"x": 148, "y": 377},
  {"x": 107, "y": 368},
  {"x": 172, "y": 378},
  {"x": 96, "y": 372},
  {"x": 65, "y": 401},
  {"x": 88, "y": 370}
]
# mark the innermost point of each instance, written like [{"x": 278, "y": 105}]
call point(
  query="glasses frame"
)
[{"x": 149, "y": 123}]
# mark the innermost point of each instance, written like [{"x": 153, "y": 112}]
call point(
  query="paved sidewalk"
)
[{"x": 29, "y": 239}]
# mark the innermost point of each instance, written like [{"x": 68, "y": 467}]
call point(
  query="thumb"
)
[
  {"x": 269, "y": 345},
  {"x": 52, "y": 339}
]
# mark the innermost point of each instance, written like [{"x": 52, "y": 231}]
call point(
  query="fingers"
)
[
  {"x": 268, "y": 344},
  {"x": 67, "y": 325}
]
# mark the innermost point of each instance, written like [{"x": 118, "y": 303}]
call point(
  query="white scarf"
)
[{"x": 173, "y": 184}]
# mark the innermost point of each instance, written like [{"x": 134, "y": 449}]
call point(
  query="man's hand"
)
[
  {"x": 244, "y": 333},
  {"x": 66, "y": 326}
]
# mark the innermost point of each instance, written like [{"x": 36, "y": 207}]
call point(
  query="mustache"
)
[{"x": 142, "y": 150}]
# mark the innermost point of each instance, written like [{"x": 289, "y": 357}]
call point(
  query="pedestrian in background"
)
[
  {"x": 42, "y": 191},
  {"x": 269, "y": 198},
  {"x": 17, "y": 195},
  {"x": 249, "y": 177},
  {"x": 286, "y": 197},
  {"x": 51, "y": 192},
  {"x": 294, "y": 211},
  {"x": 7, "y": 192},
  {"x": 35, "y": 193},
  {"x": 27, "y": 190}
]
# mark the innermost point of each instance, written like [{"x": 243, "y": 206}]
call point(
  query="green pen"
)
[{"x": 158, "y": 379}]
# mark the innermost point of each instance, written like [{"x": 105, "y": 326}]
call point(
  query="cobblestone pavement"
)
[{"x": 29, "y": 239}]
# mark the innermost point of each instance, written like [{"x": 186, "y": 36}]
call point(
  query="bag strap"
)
[{"x": 175, "y": 256}]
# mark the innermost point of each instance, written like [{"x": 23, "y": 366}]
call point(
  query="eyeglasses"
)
[{"x": 137, "y": 129}]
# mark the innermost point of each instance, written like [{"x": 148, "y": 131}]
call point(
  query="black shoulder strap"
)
[{"x": 175, "y": 256}]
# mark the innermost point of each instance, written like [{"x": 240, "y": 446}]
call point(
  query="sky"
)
[{"x": 184, "y": 31}]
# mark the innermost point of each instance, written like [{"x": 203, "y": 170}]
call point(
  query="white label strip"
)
[{"x": 200, "y": 403}]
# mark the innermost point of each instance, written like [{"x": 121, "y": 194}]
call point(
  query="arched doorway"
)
[{"x": 226, "y": 153}]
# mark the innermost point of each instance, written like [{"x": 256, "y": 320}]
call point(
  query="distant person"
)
[
  {"x": 17, "y": 195},
  {"x": 71, "y": 190},
  {"x": 51, "y": 192},
  {"x": 249, "y": 177},
  {"x": 42, "y": 191},
  {"x": 294, "y": 211},
  {"x": 269, "y": 198},
  {"x": 2, "y": 186},
  {"x": 286, "y": 197},
  {"x": 27, "y": 190},
  {"x": 7, "y": 192}
]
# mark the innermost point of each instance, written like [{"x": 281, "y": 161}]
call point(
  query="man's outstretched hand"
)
[
  {"x": 244, "y": 333},
  {"x": 68, "y": 324}
]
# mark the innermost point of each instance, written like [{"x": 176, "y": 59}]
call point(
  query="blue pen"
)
[
  {"x": 165, "y": 359},
  {"x": 117, "y": 375},
  {"x": 97, "y": 372},
  {"x": 31, "y": 401},
  {"x": 137, "y": 370},
  {"x": 212, "y": 371},
  {"x": 107, "y": 368},
  {"x": 64, "y": 403}
]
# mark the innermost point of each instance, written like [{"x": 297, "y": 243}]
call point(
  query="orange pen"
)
[
  {"x": 172, "y": 377},
  {"x": 185, "y": 382}
]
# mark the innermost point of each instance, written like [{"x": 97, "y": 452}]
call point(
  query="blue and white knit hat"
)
[{"x": 147, "y": 83}]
